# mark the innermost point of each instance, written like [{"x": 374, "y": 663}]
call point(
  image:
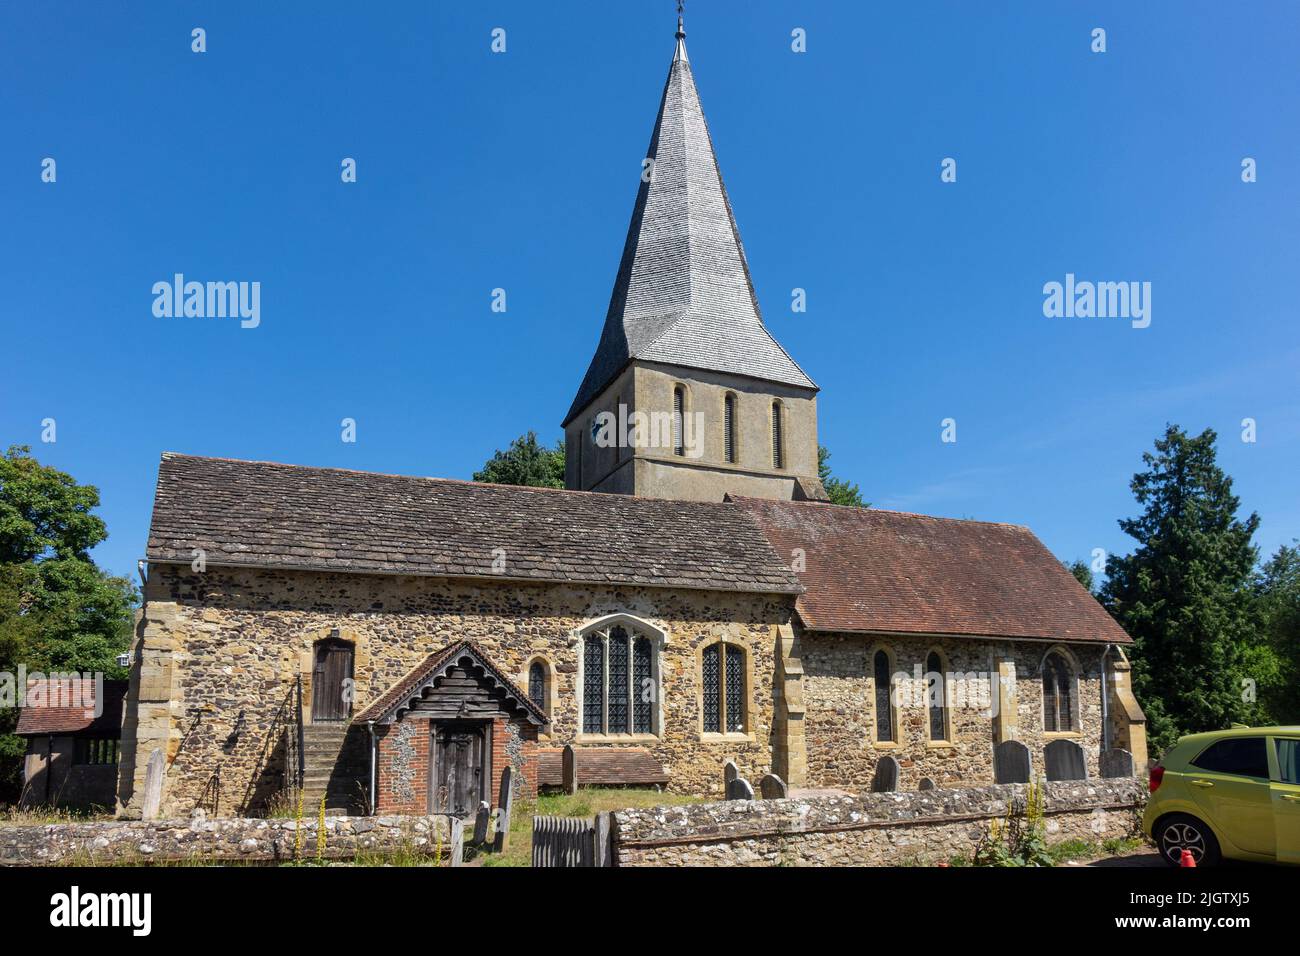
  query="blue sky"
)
[{"x": 518, "y": 170}]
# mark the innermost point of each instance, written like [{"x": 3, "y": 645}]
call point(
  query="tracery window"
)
[
  {"x": 722, "y": 683},
  {"x": 1058, "y": 696},
  {"x": 619, "y": 681}
]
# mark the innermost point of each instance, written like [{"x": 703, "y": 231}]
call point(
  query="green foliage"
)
[
  {"x": 1277, "y": 586},
  {"x": 1082, "y": 573},
  {"x": 1185, "y": 593},
  {"x": 840, "y": 491},
  {"x": 1018, "y": 839},
  {"x": 526, "y": 462},
  {"x": 58, "y": 610}
]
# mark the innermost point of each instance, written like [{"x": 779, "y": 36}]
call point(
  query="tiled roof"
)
[
  {"x": 601, "y": 767},
  {"x": 683, "y": 295},
  {"x": 259, "y": 514},
  {"x": 387, "y": 705},
  {"x": 41, "y": 718},
  {"x": 885, "y": 571}
]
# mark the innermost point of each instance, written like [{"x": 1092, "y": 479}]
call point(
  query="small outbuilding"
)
[{"x": 73, "y": 729}]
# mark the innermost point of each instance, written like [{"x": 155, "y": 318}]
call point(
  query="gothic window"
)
[
  {"x": 936, "y": 697},
  {"x": 619, "y": 681},
  {"x": 884, "y": 706},
  {"x": 537, "y": 685},
  {"x": 679, "y": 415},
  {"x": 729, "y": 429},
  {"x": 778, "y": 439},
  {"x": 1058, "y": 685},
  {"x": 722, "y": 688}
]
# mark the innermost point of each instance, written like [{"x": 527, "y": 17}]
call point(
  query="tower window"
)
[
  {"x": 679, "y": 415},
  {"x": 729, "y": 429},
  {"x": 778, "y": 439}
]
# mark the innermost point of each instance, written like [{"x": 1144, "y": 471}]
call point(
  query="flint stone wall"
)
[
  {"x": 874, "y": 829},
  {"x": 245, "y": 839}
]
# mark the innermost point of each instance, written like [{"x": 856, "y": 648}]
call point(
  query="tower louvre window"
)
[
  {"x": 778, "y": 439},
  {"x": 729, "y": 429},
  {"x": 679, "y": 414}
]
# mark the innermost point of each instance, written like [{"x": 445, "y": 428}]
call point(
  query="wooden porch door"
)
[
  {"x": 457, "y": 774},
  {"x": 332, "y": 667}
]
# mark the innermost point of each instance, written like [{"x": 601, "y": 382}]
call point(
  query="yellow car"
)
[{"x": 1231, "y": 793}]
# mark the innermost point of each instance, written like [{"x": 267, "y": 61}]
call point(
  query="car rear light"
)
[{"x": 1157, "y": 774}]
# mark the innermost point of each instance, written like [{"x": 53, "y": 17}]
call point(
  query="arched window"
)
[
  {"x": 778, "y": 438},
  {"x": 1058, "y": 685},
  {"x": 722, "y": 684},
  {"x": 729, "y": 429},
  {"x": 537, "y": 686},
  {"x": 679, "y": 423},
  {"x": 619, "y": 681},
  {"x": 884, "y": 706},
  {"x": 936, "y": 697}
]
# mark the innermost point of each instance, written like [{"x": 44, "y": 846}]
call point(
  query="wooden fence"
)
[{"x": 572, "y": 841}]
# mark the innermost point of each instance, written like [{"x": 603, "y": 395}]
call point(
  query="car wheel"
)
[{"x": 1181, "y": 832}]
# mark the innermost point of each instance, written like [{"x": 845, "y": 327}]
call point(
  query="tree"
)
[
  {"x": 1278, "y": 588},
  {"x": 840, "y": 491},
  {"x": 1185, "y": 593},
  {"x": 58, "y": 610},
  {"x": 1082, "y": 573},
  {"x": 526, "y": 462}
]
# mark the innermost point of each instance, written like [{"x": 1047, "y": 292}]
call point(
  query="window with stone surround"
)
[
  {"x": 722, "y": 683},
  {"x": 620, "y": 676},
  {"x": 729, "y": 428},
  {"x": 882, "y": 671},
  {"x": 679, "y": 423},
  {"x": 537, "y": 685},
  {"x": 1058, "y": 694},
  {"x": 778, "y": 436},
  {"x": 936, "y": 691}
]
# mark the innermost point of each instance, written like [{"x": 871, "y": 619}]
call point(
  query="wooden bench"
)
[{"x": 602, "y": 767}]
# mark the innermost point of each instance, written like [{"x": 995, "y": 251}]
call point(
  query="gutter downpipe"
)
[
  {"x": 1105, "y": 696},
  {"x": 374, "y": 746}
]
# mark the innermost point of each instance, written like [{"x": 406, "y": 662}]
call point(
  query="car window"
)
[
  {"x": 1288, "y": 759},
  {"x": 1239, "y": 756}
]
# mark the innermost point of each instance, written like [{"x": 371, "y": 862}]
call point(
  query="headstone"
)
[
  {"x": 1116, "y": 763},
  {"x": 569, "y": 769},
  {"x": 729, "y": 773},
  {"x": 603, "y": 844},
  {"x": 739, "y": 789},
  {"x": 457, "y": 841},
  {"x": 885, "y": 779},
  {"x": 481, "y": 819},
  {"x": 926, "y": 784},
  {"x": 1064, "y": 761},
  {"x": 505, "y": 802},
  {"x": 153, "y": 781},
  {"x": 771, "y": 787},
  {"x": 1011, "y": 762}
]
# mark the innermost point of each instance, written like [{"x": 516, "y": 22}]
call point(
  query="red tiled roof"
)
[
  {"x": 601, "y": 767},
  {"x": 39, "y": 717},
  {"x": 888, "y": 572}
]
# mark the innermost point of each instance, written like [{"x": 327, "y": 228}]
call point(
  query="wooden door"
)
[
  {"x": 330, "y": 676},
  {"x": 457, "y": 771}
]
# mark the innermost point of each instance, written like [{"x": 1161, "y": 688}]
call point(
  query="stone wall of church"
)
[
  {"x": 839, "y": 693},
  {"x": 218, "y": 652}
]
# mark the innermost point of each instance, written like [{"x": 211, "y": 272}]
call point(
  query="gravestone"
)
[
  {"x": 569, "y": 769},
  {"x": 481, "y": 822},
  {"x": 1064, "y": 761},
  {"x": 505, "y": 802},
  {"x": 739, "y": 789},
  {"x": 1011, "y": 762},
  {"x": 729, "y": 773},
  {"x": 926, "y": 784},
  {"x": 772, "y": 787},
  {"x": 457, "y": 841},
  {"x": 604, "y": 854},
  {"x": 885, "y": 779},
  {"x": 153, "y": 781},
  {"x": 1116, "y": 763}
]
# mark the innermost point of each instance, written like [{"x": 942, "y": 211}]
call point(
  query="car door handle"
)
[{"x": 1202, "y": 783}]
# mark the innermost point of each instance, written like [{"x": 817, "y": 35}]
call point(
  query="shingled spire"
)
[{"x": 683, "y": 295}]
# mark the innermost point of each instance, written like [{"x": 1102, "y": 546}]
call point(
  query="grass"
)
[
  {"x": 42, "y": 816},
  {"x": 1077, "y": 849},
  {"x": 586, "y": 802}
]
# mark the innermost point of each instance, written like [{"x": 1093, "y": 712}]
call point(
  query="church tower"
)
[{"x": 688, "y": 395}]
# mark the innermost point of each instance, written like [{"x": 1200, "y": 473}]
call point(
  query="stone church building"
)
[{"x": 391, "y": 644}]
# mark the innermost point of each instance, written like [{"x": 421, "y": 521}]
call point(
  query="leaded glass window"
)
[
  {"x": 619, "y": 682},
  {"x": 936, "y": 693},
  {"x": 593, "y": 685},
  {"x": 1058, "y": 713},
  {"x": 884, "y": 709},
  {"x": 537, "y": 685},
  {"x": 643, "y": 689},
  {"x": 722, "y": 688}
]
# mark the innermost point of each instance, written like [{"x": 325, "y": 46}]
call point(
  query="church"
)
[{"x": 390, "y": 644}]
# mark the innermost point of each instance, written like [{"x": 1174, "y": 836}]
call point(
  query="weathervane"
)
[{"x": 681, "y": 8}]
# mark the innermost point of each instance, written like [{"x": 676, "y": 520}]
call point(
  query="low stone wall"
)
[
  {"x": 875, "y": 829},
  {"x": 252, "y": 840}
]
